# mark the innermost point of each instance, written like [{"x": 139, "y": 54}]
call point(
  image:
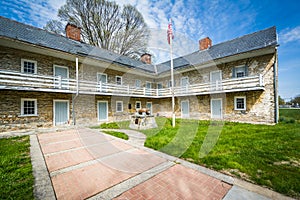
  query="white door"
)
[
  {"x": 185, "y": 109},
  {"x": 149, "y": 106},
  {"x": 102, "y": 110},
  {"x": 184, "y": 84},
  {"x": 216, "y": 79},
  {"x": 148, "y": 88},
  {"x": 159, "y": 88},
  {"x": 61, "y": 112},
  {"x": 102, "y": 80},
  {"x": 216, "y": 108},
  {"x": 63, "y": 75}
]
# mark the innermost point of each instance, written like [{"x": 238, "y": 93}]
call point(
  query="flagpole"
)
[{"x": 172, "y": 77}]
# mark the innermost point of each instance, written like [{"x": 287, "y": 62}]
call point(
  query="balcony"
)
[{"x": 32, "y": 82}]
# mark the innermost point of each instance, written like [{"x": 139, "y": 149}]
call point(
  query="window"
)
[
  {"x": 240, "y": 103},
  {"x": 138, "y": 105},
  {"x": 240, "y": 71},
  {"x": 119, "y": 80},
  {"x": 119, "y": 106},
  {"x": 138, "y": 83},
  {"x": 28, "y": 107},
  {"x": 28, "y": 66}
]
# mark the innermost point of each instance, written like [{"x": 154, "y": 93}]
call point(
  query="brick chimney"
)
[
  {"x": 205, "y": 43},
  {"x": 73, "y": 32},
  {"x": 146, "y": 58}
]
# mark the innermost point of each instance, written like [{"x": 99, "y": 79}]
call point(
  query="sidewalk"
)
[{"x": 87, "y": 164}]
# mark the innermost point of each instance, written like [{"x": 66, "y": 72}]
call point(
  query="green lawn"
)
[
  {"x": 262, "y": 154},
  {"x": 117, "y": 134},
  {"x": 16, "y": 179}
]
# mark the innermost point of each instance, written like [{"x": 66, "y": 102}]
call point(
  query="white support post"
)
[{"x": 77, "y": 76}]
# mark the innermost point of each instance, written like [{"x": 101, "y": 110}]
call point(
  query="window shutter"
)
[
  {"x": 233, "y": 72},
  {"x": 246, "y": 70}
]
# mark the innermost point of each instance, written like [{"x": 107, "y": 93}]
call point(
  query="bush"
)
[
  {"x": 287, "y": 120},
  {"x": 112, "y": 125}
]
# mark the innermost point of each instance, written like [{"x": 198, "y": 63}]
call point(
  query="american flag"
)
[{"x": 170, "y": 31}]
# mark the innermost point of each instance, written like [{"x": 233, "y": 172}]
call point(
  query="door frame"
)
[
  {"x": 68, "y": 108},
  {"x": 104, "y": 120},
  {"x": 211, "y": 108},
  {"x": 188, "y": 103}
]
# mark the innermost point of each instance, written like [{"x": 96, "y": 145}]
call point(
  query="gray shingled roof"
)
[
  {"x": 254, "y": 41},
  {"x": 25, "y": 33}
]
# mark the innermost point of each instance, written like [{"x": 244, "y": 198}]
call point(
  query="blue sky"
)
[{"x": 221, "y": 20}]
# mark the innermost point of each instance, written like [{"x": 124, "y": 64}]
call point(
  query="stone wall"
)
[
  {"x": 10, "y": 59},
  {"x": 10, "y": 109}
]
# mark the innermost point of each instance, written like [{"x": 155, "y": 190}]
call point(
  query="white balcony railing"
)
[{"x": 34, "y": 82}]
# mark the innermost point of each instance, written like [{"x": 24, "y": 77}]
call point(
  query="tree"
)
[
  {"x": 281, "y": 100},
  {"x": 55, "y": 26},
  {"x": 296, "y": 100},
  {"x": 105, "y": 24}
]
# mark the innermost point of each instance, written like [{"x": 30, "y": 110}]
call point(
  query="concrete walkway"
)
[{"x": 87, "y": 164}]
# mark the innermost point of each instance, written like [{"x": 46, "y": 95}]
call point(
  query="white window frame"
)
[
  {"x": 137, "y": 103},
  {"x": 35, "y": 107},
  {"x": 32, "y": 61},
  {"x": 138, "y": 83},
  {"x": 235, "y": 102},
  {"x": 239, "y": 68},
  {"x": 117, "y": 102},
  {"x": 117, "y": 80}
]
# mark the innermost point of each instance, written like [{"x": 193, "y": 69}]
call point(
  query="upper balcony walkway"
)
[{"x": 33, "y": 82}]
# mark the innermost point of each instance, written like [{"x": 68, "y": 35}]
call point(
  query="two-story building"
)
[{"x": 48, "y": 79}]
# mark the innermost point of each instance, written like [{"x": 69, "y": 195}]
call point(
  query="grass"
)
[
  {"x": 16, "y": 179},
  {"x": 262, "y": 154},
  {"x": 117, "y": 134}
]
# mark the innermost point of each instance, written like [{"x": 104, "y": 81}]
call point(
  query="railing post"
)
[
  {"x": 59, "y": 82},
  {"x": 100, "y": 86},
  {"x": 261, "y": 81},
  {"x": 144, "y": 91},
  {"x": 156, "y": 91},
  {"x": 128, "y": 89}
]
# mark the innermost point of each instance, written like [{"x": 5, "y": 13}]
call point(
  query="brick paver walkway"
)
[
  {"x": 178, "y": 182},
  {"x": 84, "y": 162}
]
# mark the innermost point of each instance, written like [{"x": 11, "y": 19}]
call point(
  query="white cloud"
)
[{"x": 289, "y": 35}]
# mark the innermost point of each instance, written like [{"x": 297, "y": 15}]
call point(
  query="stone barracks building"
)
[{"x": 48, "y": 79}]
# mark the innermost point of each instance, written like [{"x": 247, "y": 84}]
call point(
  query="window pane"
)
[
  {"x": 240, "y": 74},
  {"x": 29, "y": 67},
  {"x": 240, "y": 104},
  {"x": 29, "y": 108}
]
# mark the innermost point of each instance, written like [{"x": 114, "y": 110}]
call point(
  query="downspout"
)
[
  {"x": 275, "y": 80},
  {"x": 77, "y": 93}
]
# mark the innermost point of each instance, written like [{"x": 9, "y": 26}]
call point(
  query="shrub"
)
[{"x": 112, "y": 125}]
